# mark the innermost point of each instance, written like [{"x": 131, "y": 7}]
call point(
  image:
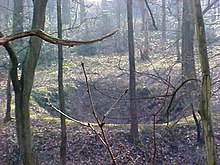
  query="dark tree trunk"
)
[
  {"x": 8, "y": 105},
  {"x": 164, "y": 29},
  {"x": 145, "y": 50},
  {"x": 23, "y": 87},
  {"x": 178, "y": 32},
  {"x": 63, "y": 146},
  {"x": 17, "y": 27},
  {"x": 188, "y": 30},
  {"x": 66, "y": 12},
  {"x": 132, "y": 86},
  {"x": 18, "y": 16},
  {"x": 82, "y": 13}
]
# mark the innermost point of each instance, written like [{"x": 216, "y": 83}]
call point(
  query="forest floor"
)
[{"x": 176, "y": 145}]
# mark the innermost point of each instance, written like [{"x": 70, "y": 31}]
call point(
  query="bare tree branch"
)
[
  {"x": 174, "y": 94},
  {"x": 41, "y": 34},
  {"x": 14, "y": 66},
  {"x": 100, "y": 124},
  {"x": 111, "y": 108},
  {"x": 209, "y": 6},
  {"x": 151, "y": 14}
]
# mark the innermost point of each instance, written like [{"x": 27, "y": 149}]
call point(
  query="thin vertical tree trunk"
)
[
  {"x": 17, "y": 27},
  {"x": 132, "y": 86},
  {"x": 145, "y": 50},
  {"x": 18, "y": 16},
  {"x": 82, "y": 14},
  {"x": 164, "y": 29},
  {"x": 8, "y": 105},
  {"x": 178, "y": 32},
  {"x": 66, "y": 12},
  {"x": 61, "y": 90},
  {"x": 205, "y": 110}
]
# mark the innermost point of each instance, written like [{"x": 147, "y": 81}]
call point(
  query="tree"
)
[
  {"x": 188, "y": 61},
  {"x": 178, "y": 31},
  {"x": 106, "y": 25},
  {"x": 164, "y": 21},
  {"x": 8, "y": 117},
  {"x": 82, "y": 14},
  {"x": 17, "y": 27},
  {"x": 4, "y": 14},
  {"x": 66, "y": 12},
  {"x": 132, "y": 82},
  {"x": 205, "y": 109},
  {"x": 18, "y": 16},
  {"x": 61, "y": 90},
  {"x": 23, "y": 86},
  {"x": 145, "y": 51}
]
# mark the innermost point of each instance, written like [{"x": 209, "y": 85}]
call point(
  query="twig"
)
[
  {"x": 209, "y": 6},
  {"x": 70, "y": 118},
  {"x": 154, "y": 128},
  {"x": 100, "y": 124},
  {"x": 174, "y": 94},
  {"x": 111, "y": 108},
  {"x": 102, "y": 139},
  {"x": 90, "y": 95},
  {"x": 151, "y": 14}
]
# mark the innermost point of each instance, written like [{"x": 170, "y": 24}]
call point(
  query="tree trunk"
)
[
  {"x": 205, "y": 110},
  {"x": 178, "y": 32},
  {"x": 144, "y": 51},
  {"x": 23, "y": 87},
  {"x": 188, "y": 61},
  {"x": 8, "y": 105},
  {"x": 82, "y": 14},
  {"x": 18, "y": 16},
  {"x": 66, "y": 12},
  {"x": 17, "y": 27},
  {"x": 83, "y": 17},
  {"x": 61, "y": 90},
  {"x": 164, "y": 29},
  {"x": 188, "y": 30},
  {"x": 132, "y": 86},
  {"x": 106, "y": 25},
  {"x": 118, "y": 14}
]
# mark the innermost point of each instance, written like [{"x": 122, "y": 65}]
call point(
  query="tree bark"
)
[
  {"x": 144, "y": 51},
  {"x": 164, "y": 29},
  {"x": 18, "y": 16},
  {"x": 63, "y": 146},
  {"x": 17, "y": 27},
  {"x": 188, "y": 30},
  {"x": 205, "y": 110},
  {"x": 66, "y": 12},
  {"x": 24, "y": 85},
  {"x": 82, "y": 14},
  {"x": 188, "y": 60},
  {"x": 7, "y": 117},
  {"x": 178, "y": 32},
  {"x": 132, "y": 83}
]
